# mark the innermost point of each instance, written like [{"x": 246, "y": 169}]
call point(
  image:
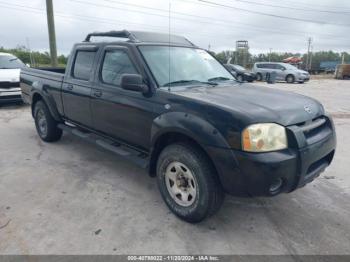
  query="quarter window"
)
[
  {"x": 83, "y": 64},
  {"x": 115, "y": 64}
]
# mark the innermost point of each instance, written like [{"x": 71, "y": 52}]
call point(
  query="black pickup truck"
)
[{"x": 169, "y": 106}]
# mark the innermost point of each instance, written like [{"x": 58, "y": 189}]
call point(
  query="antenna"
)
[{"x": 169, "y": 89}]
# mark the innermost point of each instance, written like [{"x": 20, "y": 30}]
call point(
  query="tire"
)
[
  {"x": 45, "y": 124},
  {"x": 290, "y": 79},
  {"x": 259, "y": 77},
  {"x": 202, "y": 197},
  {"x": 240, "y": 78}
]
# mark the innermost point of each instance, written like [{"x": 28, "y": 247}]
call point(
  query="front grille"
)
[
  {"x": 9, "y": 84},
  {"x": 316, "y": 130}
]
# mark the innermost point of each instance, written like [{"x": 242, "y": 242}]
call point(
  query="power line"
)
[
  {"x": 213, "y": 4},
  {"x": 208, "y": 21},
  {"x": 207, "y": 18},
  {"x": 106, "y": 21},
  {"x": 294, "y": 8},
  {"x": 303, "y": 3}
]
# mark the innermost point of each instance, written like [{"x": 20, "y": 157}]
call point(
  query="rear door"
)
[
  {"x": 76, "y": 88},
  {"x": 119, "y": 113}
]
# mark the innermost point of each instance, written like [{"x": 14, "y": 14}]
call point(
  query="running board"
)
[{"x": 137, "y": 157}]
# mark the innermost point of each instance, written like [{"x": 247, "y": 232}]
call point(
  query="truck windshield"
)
[
  {"x": 10, "y": 62},
  {"x": 183, "y": 66}
]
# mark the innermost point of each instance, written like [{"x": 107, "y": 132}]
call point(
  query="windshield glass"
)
[
  {"x": 187, "y": 66},
  {"x": 238, "y": 67},
  {"x": 10, "y": 62}
]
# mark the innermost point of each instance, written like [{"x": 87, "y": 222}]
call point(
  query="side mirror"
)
[{"x": 133, "y": 82}]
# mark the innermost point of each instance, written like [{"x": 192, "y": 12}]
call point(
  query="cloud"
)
[{"x": 202, "y": 24}]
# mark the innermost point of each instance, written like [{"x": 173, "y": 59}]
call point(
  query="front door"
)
[{"x": 123, "y": 114}]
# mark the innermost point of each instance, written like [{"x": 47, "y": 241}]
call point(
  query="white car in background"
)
[{"x": 10, "y": 67}]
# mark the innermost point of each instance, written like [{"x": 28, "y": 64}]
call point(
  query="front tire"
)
[
  {"x": 45, "y": 124},
  {"x": 290, "y": 79},
  {"x": 240, "y": 78},
  {"x": 259, "y": 77},
  {"x": 188, "y": 182}
]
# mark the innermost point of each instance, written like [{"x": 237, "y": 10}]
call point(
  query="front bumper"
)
[
  {"x": 10, "y": 94},
  {"x": 257, "y": 174},
  {"x": 303, "y": 78}
]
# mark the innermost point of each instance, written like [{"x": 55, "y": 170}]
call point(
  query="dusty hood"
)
[
  {"x": 9, "y": 75},
  {"x": 258, "y": 104}
]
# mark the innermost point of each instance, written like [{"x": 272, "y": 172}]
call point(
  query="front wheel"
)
[
  {"x": 259, "y": 77},
  {"x": 188, "y": 182},
  {"x": 290, "y": 79},
  {"x": 240, "y": 78},
  {"x": 46, "y": 125}
]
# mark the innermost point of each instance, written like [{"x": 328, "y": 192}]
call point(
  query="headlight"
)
[{"x": 264, "y": 137}]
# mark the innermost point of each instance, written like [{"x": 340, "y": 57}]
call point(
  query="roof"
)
[{"x": 142, "y": 37}]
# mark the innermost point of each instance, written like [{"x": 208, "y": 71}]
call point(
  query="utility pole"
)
[
  {"x": 270, "y": 54},
  {"x": 52, "y": 35},
  {"x": 343, "y": 58},
  {"x": 32, "y": 62},
  {"x": 308, "y": 58}
]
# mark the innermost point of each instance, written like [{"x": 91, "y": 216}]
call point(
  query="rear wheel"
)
[
  {"x": 240, "y": 78},
  {"x": 188, "y": 183},
  {"x": 46, "y": 125},
  {"x": 290, "y": 79}
]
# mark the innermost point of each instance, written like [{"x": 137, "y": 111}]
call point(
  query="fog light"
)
[{"x": 276, "y": 185}]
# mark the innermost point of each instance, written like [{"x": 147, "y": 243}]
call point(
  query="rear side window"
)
[
  {"x": 83, "y": 64},
  {"x": 261, "y": 65},
  {"x": 115, "y": 64}
]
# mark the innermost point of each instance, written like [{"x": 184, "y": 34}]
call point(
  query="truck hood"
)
[
  {"x": 257, "y": 104},
  {"x": 9, "y": 75}
]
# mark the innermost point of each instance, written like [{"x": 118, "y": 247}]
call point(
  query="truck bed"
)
[
  {"x": 49, "y": 76},
  {"x": 52, "y": 73}
]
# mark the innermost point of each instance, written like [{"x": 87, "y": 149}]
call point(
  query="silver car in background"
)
[
  {"x": 284, "y": 72},
  {"x": 10, "y": 67}
]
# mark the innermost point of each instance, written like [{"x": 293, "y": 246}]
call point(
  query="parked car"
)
[
  {"x": 242, "y": 74},
  {"x": 198, "y": 130},
  {"x": 9, "y": 78},
  {"x": 342, "y": 71},
  {"x": 284, "y": 72}
]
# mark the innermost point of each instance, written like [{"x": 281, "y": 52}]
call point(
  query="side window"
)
[
  {"x": 260, "y": 65},
  {"x": 83, "y": 64},
  {"x": 278, "y": 67},
  {"x": 115, "y": 64}
]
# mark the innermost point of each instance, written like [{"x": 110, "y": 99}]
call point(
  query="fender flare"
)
[
  {"x": 39, "y": 89},
  {"x": 198, "y": 129}
]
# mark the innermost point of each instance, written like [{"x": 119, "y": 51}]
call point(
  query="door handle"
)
[
  {"x": 98, "y": 93},
  {"x": 70, "y": 87}
]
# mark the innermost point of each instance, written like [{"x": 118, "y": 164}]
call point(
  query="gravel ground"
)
[{"x": 70, "y": 197}]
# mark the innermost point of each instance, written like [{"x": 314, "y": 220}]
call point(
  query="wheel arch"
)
[
  {"x": 175, "y": 127},
  {"x": 38, "y": 96}
]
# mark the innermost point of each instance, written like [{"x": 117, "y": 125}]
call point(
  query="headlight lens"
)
[{"x": 264, "y": 137}]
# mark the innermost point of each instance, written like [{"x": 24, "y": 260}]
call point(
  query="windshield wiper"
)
[
  {"x": 219, "y": 78},
  {"x": 188, "y": 82},
  {"x": 13, "y": 59}
]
